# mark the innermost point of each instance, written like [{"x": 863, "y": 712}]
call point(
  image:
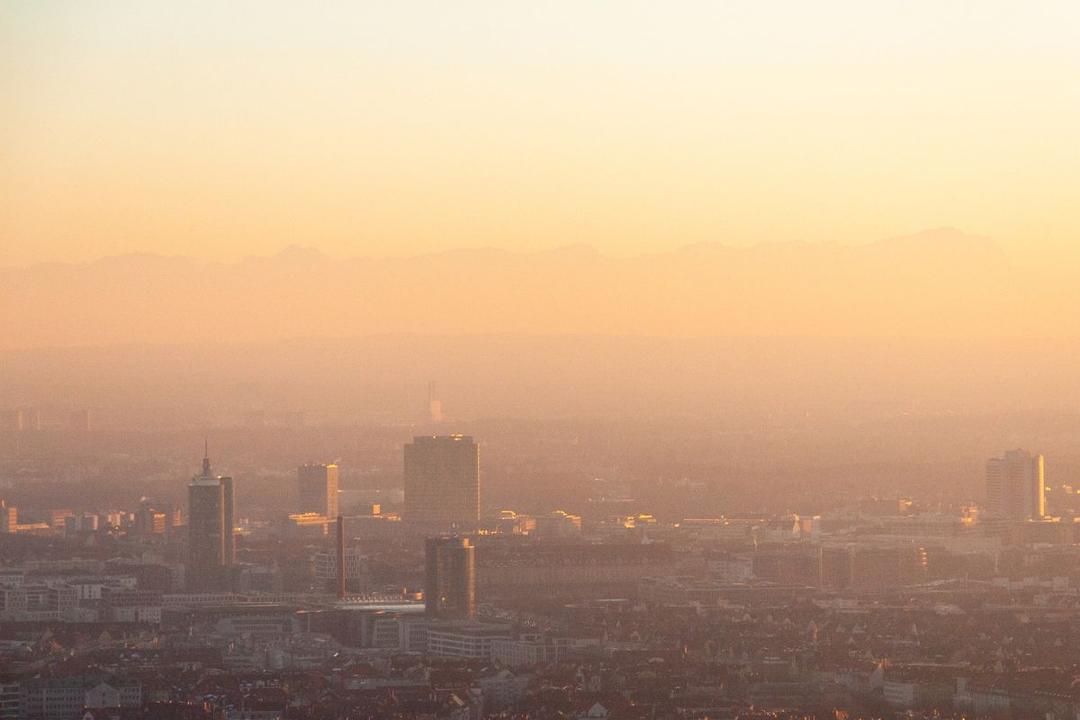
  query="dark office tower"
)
[
  {"x": 211, "y": 546},
  {"x": 442, "y": 483},
  {"x": 1015, "y": 486},
  {"x": 450, "y": 578},
  {"x": 317, "y": 489}
]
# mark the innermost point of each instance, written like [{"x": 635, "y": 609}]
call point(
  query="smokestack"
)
[
  {"x": 434, "y": 404},
  {"x": 340, "y": 556}
]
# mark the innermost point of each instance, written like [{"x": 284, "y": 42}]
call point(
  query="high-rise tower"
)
[
  {"x": 317, "y": 489},
  {"x": 450, "y": 578},
  {"x": 211, "y": 545},
  {"x": 1015, "y": 486},
  {"x": 442, "y": 483}
]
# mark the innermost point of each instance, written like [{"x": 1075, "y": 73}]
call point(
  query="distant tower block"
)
[
  {"x": 317, "y": 489},
  {"x": 1016, "y": 486},
  {"x": 434, "y": 404},
  {"x": 450, "y": 578},
  {"x": 442, "y": 483}
]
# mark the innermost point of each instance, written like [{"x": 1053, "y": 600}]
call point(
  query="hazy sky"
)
[{"x": 222, "y": 129}]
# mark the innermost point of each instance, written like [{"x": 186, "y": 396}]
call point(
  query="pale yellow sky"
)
[{"x": 220, "y": 130}]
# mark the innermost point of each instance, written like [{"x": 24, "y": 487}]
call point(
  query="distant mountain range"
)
[{"x": 939, "y": 283}]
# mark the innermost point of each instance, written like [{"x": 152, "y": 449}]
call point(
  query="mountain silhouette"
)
[{"x": 938, "y": 283}]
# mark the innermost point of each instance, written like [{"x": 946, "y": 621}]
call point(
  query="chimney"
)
[{"x": 341, "y": 556}]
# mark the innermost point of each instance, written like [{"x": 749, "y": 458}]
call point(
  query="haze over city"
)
[{"x": 539, "y": 361}]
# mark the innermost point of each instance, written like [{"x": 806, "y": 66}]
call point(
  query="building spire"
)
[{"x": 206, "y": 457}]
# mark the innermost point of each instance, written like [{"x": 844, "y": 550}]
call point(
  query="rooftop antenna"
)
[{"x": 206, "y": 456}]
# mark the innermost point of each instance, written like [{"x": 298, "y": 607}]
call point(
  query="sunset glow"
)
[{"x": 220, "y": 130}]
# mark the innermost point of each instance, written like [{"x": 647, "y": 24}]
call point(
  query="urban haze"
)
[{"x": 539, "y": 361}]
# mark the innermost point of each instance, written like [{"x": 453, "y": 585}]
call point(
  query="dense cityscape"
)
[
  {"x": 556, "y": 360},
  {"x": 411, "y": 596}
]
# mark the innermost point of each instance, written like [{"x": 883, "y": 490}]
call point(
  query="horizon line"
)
[{"x": 317, "y": 254}]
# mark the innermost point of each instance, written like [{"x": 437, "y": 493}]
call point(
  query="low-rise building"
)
[{"x": 470, "y": 640}]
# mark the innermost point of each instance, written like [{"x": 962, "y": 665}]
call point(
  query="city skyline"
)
[{"x": 618, "y": 360}]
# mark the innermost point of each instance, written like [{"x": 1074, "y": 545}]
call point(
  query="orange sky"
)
[{"x": 221, "y": 130}]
